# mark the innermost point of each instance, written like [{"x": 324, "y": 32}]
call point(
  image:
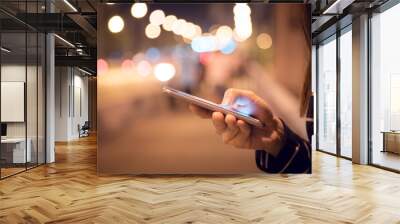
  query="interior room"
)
[{"x": 289, "y": 111}]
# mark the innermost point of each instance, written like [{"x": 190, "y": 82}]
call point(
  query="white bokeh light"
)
[
  {"x": 178, "y": 26},
  {"x": 152, "y": 31},
  {"x": 243, "y": 26},
  {"x": 139, "y": 10},
  {"x": 164, "y": 71},
  {"x": 168, "y": 22},
  {"x": 157, "y": 17},
  {"x": 116, "y": 24},
  {"x": 189, "y": 31},
  {"x": 224, "y": 34}
]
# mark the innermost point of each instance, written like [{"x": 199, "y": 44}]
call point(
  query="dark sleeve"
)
[{"x": 294, "y": 157}]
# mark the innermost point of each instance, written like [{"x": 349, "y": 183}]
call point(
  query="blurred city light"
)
[
  {"x": 139, "y": 10},
  {"x": 264, "y": 41},
  {"x": 168, "y": 22},
  {"x": 206, "y": 43},
  {"x": 229, "y": 47},
  {"x": 241, "y": 9},
  {"x": 152, "y": 31},
  {"x": 143, "y": 68},
  {"x": 127, "y": 65},
  {"x": 224, "y": 34},
  {"x": 198, "y": 31},
  {"x": 204, "y": 58},
  {"x": 178, "y": 26},
  {"x": 116, "y": 24},
  {"x": 153, "y": 54},
  {"x": 189, "y": 31},
  {"x": 157, "y": 17},
  {"x": 138, "y": 57},
  {"x": 102, "y": 66},
  {"x": 243, "y": 26},
  {"x": 164, "y": 71}
]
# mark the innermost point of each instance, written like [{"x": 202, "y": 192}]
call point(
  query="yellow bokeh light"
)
[
  {"x": 264, "y": 41},
  {"x": 157, "y": 17},
  {"x": 139, "y": 10},
  {"x": 168, "y": 22},
  {"x": 224, "y": 34},
  {"x": 116, "y": 24},
  {"x": 198, "y": 30},
  {"x": 189, "y": 31},
  {"x": 178, "y": 26},
  {"x": 152, "y": 31}
]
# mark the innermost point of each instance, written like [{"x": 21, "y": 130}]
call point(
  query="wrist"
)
[{"x": 279, "y": 136}]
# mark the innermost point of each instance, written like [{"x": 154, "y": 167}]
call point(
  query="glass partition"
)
[
  {"x": 385, "y": 89},
  {"x": 14, "y": 153},
  {"x": 327, "y": 96},
  {"x": 346, "y": 93},
  {"x": 22, "y": 91}
]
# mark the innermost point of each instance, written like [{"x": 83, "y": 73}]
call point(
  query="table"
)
[
  {"x": 391, "y": 141},
  {"x": 13, "y": 150}
]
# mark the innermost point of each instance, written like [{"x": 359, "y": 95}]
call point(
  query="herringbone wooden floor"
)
[{"x": 70, "y": 191}]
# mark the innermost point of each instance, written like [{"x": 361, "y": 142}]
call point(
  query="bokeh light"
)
[
  {"x": 102, "y": 66},
  {"x": 116, "y": 24},
  {"x": 164, "y": 71},
  {"x": 153, "y": 54},
  {"x": 224, "y": 34},
  {"x": 241, "y": 9},
  {"x": 138, "y": 57},
  {"x": 157, "y": 17},
  {"x": 242, "y": 33},
  {"x": 178, "y": 26},
  {"x": 189, "y": 31},
  {"x": 198, "y": 30},
  {"x": 229, "y": 47},
  {"x": 264, "y": 41},
  {"x": 127, "y": 65},
  {"x": 168, "y": 22},
  {"x": 143, "y": 68},
  {"x": 243, "y": 26},
  {"x": 139, "y": 10},
  {"x": 205, "y": 44},
  {"x": 152, "y": 31}
]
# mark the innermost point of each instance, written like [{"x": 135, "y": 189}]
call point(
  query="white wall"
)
[
  {"x": 16, "y": 73},
  {"x": 71, "y": 93}
]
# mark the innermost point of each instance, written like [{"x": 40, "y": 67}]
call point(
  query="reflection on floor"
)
[
  {"x": 14, "y": 169},
  {"x": 70, "y": 191},
  {"x": 10, "y": 171},
  {"x": 387, "y": 159}
]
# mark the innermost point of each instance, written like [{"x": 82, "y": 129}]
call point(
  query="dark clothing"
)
[{"x": 295, "y": 155}]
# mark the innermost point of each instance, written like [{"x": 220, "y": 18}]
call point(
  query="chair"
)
[{"x": 84, "y": 130}]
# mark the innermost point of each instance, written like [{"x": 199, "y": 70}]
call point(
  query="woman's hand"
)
[{"x": 236, "y": 132}]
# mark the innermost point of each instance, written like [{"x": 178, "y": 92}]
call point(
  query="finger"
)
[
  {"x": 230, "y": 133},
  {"x": 218, "y": 120},
  {"x": 203, "y": 113},
  {"x": 230, "y": 121},
  {"x": 229, "y": 97},
  {"x": 242, "y": 139}
]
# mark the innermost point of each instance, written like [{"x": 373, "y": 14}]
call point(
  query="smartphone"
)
[{"x": 206, "y": 104}]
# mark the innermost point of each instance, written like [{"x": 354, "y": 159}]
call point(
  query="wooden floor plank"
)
[{"x": 70, "y": 191}]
